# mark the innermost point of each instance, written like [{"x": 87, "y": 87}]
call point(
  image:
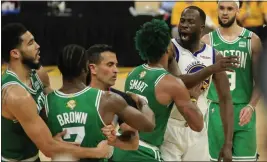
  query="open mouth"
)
[{"x": 185, "y": 36}]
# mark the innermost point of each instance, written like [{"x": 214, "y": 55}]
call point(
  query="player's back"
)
[
  {"x": 143, "y": 80},
  {"x": 78, "y": 114},
  {"x": 241, "y": 80},
  {"x": 15, "y": 142}
]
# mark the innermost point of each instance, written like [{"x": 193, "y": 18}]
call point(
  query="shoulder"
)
[
  {"x": 256, "y": 44},
  {"x": 170, "y": 82},
  {"x": 14, "y": 94},
  {"x": 206, "y": 39},
  {"x": 43, "y": 75}
]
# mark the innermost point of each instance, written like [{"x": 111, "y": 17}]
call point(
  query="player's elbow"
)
[
  {"x": 198, "y": 127},
  {"x": 149, "y": 126}
]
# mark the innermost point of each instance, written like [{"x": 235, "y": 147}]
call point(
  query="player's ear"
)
[
  {"x": 93, "y": 68},
  {"x": 15, "y": 53},
  {"x": 202, "y": 28}
]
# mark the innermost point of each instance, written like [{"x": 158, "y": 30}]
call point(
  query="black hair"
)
[
  {"x": 11, "y": 38},
  {"x": 72, "y": 61},
  {"x": 200, "y": 11},
  {"x": 94, "y": 52},
  {"x": 152, "y": 40}
]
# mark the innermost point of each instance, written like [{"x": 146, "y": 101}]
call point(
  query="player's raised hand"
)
[
  {"x": 138, "y": 99},
  {"x": 226, "y": 63},
  {"x": 110, "y": 132},
  {"x": 196, "y": 91}
]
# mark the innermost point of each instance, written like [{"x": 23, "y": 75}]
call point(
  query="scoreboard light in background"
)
[{"x": 10, "y": 7}]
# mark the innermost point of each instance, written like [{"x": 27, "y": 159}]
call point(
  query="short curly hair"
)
[{"x": 152, "y": 40}]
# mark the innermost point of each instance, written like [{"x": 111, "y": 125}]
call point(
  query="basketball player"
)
[
  {"x": 83, "y": 110},
  {"x": 23, "y": 88},
  {"x": 103, "y": 74},
  {"x": 180, "y": 142},
  {"x": 231, "y": 39},
  {"x": 160, "y": 88}
]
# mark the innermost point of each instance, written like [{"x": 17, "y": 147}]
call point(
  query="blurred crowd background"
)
[{"x": 57, "y": 23}]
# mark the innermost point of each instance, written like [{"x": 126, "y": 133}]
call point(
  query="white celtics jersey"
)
[{"x": 190, "y": 63}]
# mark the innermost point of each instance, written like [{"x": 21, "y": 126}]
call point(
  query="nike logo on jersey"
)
[{"x": 216, "y": 44}]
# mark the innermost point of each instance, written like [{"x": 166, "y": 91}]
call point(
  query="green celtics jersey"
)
[
  {"x": 143, "y": 80},
  {"x": 15, "y": 142},
  {"x": 241, "y": 80},
  {"x": 78, "y": 114}
]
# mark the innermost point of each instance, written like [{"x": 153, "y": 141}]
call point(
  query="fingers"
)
[
  {"x": 74, "y": 143},
  {"x": 61, "y": 133},
  {"x": 133, "y": 96},
  {"x": 245, "y": 118},
  {"x": 241, "y": 113}
]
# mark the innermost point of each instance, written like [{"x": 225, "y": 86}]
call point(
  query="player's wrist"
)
[{"x": 252, "y": 108}]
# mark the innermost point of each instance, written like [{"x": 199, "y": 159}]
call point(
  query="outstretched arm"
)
[
  {"x": 221, "y": 83},
  {"x": 192, "y": 80}
]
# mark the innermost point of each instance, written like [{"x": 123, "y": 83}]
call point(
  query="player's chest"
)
[{"x": 189, "y": 63}]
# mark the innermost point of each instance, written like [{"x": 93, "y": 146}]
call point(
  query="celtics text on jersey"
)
[{"x": 241, "y": 80}]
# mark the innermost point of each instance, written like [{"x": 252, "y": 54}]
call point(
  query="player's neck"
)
[
  {"x": 72, "y": 85},
  {"x": 232, "y": 30},
  {"x": 160, "y": 64},
  {"x": 192, "y": 46},
  {"x": 22, "y": 71},
  {"x": 99, "y": 85}
]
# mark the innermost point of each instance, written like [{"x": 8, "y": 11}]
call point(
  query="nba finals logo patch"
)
[
  {"x": 195, "y": 67},
  {"x": 71, "y": 104},
  {"x": 142, "y": 74}
]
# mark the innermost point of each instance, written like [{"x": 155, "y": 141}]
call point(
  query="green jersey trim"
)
[
  {"x": 151, "y": 68},
  {"x": 64, "y": 95},
  {"x": 249, "y": 44},
  {"x": 15, "y": 75},
  {"x": 229, "y": 42},
  {"x": 97, "y": 103},
  {"x": 211, "y": 38},
  {"x": 39, "y": 80},
  {"x": 46, "y": 106},
  {"x": 159, "y": 78},
  {"x": 12, "y": 83}
]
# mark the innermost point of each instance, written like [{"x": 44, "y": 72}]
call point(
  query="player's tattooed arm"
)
[
  {"x": 221, "y": 83},
  {"x": 112, "y": 104},
  {"x": 21, "y": 106}
]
